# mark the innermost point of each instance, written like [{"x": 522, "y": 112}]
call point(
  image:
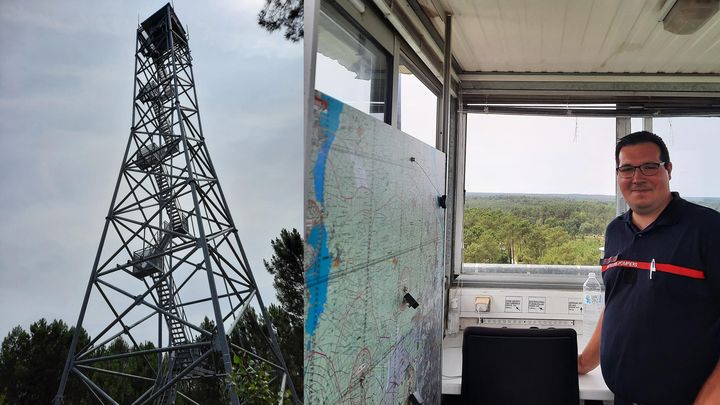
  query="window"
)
[
  {"x": 418, "y": 107},
  {"x": 350, "y": 67},
  {"x": 693, "y": 143},
  {"x": 540, "y": 190}
]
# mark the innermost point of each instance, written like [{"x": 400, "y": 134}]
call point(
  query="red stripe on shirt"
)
[{"x": 664, "y": 267}]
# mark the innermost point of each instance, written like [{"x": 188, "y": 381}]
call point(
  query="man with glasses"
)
[{"x": 658, "y": 338}]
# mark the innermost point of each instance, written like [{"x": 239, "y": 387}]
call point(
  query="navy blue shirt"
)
[{"x": 661, "y": 334}]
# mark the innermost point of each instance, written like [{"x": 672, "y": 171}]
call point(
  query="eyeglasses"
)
[{"x": 647, "y": 169}]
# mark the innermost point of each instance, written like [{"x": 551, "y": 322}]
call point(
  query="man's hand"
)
[
  {"x": 584, "y": 367},
  {"x": 590, "y": 356}
]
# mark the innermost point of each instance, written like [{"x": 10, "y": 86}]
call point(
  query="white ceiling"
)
[{"x": 573, "y": 36}]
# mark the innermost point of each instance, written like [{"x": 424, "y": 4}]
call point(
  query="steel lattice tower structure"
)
[{"x": 169, "y": 253}]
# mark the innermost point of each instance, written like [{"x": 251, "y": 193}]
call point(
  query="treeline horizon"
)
[
  {"x": 710, "y": 202},
  {"x": 32, "y": 361},
  {"x": 540, "y": 228}
]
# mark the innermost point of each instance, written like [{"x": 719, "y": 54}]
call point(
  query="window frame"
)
[{"x": 373, "y": 31}]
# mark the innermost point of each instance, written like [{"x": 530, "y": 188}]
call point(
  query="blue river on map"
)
[{"x": 317, "y": 277}]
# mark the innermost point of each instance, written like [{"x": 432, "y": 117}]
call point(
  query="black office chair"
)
[{"x": 519, "y": 366}]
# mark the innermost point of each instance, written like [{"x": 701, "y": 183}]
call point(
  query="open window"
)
[
  {"x": 547, "y": 202},
  {"x": 692, "y": 142}
]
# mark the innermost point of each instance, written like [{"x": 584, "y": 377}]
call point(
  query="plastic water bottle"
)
[
  {"x": 592, "y": 304},
  {"x": 453, "y": 324}
]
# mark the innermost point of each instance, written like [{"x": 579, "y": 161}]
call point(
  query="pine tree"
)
[
  {"x": 31, "y": 364},
  {"x": 286, "y": 265},
  {"x": 287, "y": 14}
]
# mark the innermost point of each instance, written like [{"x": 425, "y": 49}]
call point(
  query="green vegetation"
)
[
  {"x": 713, "y": 203},
  {"x": 251, "y": 379},
  {"x": 535, "y": 229},
  {"x": 540, "y": 228},
  {"x": 31, "y": 362},
  {"x": 286, "y": 265}
]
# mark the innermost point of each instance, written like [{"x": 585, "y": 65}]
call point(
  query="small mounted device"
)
[{"x": 408, "y": 299}]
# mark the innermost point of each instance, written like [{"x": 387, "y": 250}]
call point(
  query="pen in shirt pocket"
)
[{"x": 652, "y": 268}]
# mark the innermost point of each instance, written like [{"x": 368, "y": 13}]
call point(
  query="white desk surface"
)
[{"x": 592, "y": 385}]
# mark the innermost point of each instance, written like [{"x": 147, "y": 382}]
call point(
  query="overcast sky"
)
[
  {"x": 564, "y": 155},
  {"x": 66, "y": 76}
]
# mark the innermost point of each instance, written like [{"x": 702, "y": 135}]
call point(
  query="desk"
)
[{"x": 592, "y": 385}]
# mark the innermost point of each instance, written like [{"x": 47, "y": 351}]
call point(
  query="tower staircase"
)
[{"x": 151, "y": 158}]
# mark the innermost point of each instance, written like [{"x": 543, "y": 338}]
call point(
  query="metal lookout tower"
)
[{"x": 169, "y": 254}]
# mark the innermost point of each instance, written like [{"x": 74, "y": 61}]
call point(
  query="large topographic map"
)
[{"x": 374, "y": 232}]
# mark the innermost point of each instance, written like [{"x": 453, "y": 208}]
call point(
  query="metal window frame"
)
[{"x": 373, "y": 29}]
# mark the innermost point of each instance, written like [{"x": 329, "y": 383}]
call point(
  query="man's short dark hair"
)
[{"x": 642, "y": 137}]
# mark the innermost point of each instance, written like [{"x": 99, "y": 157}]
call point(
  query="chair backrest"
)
[{"x": 519, "y": 366}]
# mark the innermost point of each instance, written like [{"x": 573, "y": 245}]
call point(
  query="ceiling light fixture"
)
[{"x": 685, "y": 17}]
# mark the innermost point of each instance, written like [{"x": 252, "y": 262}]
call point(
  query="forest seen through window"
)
[{"x": 539, "y": 229}]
